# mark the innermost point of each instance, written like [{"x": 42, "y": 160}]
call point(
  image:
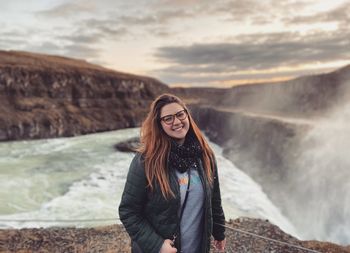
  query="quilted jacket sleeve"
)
[
  {"x": 131, "y": 209},
  {"x": 218, "y": 213}
]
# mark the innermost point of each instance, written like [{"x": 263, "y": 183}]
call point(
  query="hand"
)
[
  {"x": 167, "y": 247},
  {"x": 220, "y": 245}
]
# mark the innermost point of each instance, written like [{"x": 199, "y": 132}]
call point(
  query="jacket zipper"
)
[
  {"x": 205, "y": 186},
  {"x": 178, "y": 197}
]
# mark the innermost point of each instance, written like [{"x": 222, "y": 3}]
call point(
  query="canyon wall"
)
[{"x": 46, "y": 96}]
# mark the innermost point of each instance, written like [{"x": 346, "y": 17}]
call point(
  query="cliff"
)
[
  {"x": 45, "y": 96},
  {"x": 259, "y": 144},
  {"x": 243, "y": 235}
]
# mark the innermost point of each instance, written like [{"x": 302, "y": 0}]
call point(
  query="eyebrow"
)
[{"x": 172, "y": 113}]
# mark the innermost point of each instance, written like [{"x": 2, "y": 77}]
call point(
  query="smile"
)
[{"x": 177, "y": 128}]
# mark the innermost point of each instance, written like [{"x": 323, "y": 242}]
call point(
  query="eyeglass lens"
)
[{"x": 169, "y": 119}]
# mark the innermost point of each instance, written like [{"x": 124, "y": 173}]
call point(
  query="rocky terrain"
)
[
  {"x": 48, "y": 96},
  {"x": 244, "y": 235}
]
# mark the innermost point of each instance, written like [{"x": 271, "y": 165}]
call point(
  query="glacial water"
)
[{"x": 78, "y": 181}]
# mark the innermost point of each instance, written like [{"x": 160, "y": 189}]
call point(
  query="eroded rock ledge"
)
[{"x": 48, "y": 96}]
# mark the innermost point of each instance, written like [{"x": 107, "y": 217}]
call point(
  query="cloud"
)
[
  {"x": 105, "y": 28},
  {"x": 75, "y": 38},
  {"x": 13, "y": 38},
  {"x": 82, "y": 47},
  {"x": 152, "y": 18},
  {"x": 255, "y": 12},
  {"x": 266, "y": 53},
  {"x": 7, "y": 43},
  {"x": 340, "y": 14},
  {"x": 66, "y": 43},
  {"x": 239, "y": 10},
  {"x": 234, "y": 10},
  {"x": 44, "y": 48},
  {"x": 81, "y": 52},
  {"x": 255, "y": 52},
  {"x": 67, "y": 9},
  {"x": 232, "y": 78},
  {"x": 152, "y": 24}
]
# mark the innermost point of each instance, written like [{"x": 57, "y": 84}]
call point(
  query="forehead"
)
[{"x": 170, "y": 109}]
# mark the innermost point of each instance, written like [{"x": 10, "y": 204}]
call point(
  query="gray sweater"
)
[{"x": 191, "y": 225}]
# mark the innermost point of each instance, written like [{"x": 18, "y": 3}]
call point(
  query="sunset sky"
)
[{"x": 192, "y": 43}]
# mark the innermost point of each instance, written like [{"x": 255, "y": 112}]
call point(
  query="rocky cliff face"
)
[
  {"x": 258, "y": 144},
  {"x": 46, "y": 96}
]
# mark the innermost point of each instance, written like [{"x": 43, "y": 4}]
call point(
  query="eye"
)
[
  {"x": 168, "y": 119},
  {"x": 181, "y": 114}
]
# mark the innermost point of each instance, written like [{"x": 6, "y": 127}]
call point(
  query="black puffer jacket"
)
[{"x": 150, "y": 219}]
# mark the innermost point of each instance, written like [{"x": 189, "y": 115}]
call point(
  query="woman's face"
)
[{"x": 175, "y": 126}]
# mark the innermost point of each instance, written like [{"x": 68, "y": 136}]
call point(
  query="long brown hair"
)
[{"x": 155, "y": 146}]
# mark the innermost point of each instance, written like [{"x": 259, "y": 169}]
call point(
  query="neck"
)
[{"x": 180, "y": 141}]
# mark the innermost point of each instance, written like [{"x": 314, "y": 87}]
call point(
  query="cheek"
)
[
  {"x": 187, "y": 123},
  {"x": 166, "y": 128}
]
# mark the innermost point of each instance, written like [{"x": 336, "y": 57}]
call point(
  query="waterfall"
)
[{"x": 319, "y": 186}]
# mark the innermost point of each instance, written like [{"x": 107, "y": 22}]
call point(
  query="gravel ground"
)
[{"x": 243, "y": 235}]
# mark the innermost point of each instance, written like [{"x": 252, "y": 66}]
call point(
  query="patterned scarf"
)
[{"x": 182, "y": 157}]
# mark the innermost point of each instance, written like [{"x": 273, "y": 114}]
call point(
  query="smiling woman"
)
[{"x": 173, "y": 175}]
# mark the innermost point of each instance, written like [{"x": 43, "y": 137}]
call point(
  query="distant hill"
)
[{"x": 307, "y": 96}]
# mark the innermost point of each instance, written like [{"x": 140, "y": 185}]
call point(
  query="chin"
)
[{"x": 180, "y": 137}]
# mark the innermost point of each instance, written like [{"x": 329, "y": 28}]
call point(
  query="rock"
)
[{"x": 129, "y": 145}]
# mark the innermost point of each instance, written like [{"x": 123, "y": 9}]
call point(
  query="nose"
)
[{"x": 176, "y": 121}]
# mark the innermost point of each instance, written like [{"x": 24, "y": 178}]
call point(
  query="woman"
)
[{"x": 171, "y": 200}]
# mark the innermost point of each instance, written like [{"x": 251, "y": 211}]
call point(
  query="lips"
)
[{"x": 177, "y": 128}]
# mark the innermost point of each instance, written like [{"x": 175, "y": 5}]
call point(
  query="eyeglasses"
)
[{"x": 169, "y": 119}]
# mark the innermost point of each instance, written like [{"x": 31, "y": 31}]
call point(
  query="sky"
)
[{"x": 186, "y": 42}]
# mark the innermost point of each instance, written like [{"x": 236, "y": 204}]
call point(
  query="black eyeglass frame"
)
[{"x": 173, "y": 117}]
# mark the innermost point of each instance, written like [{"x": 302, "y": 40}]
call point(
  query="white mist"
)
[{"x": 319, "y": 190}]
